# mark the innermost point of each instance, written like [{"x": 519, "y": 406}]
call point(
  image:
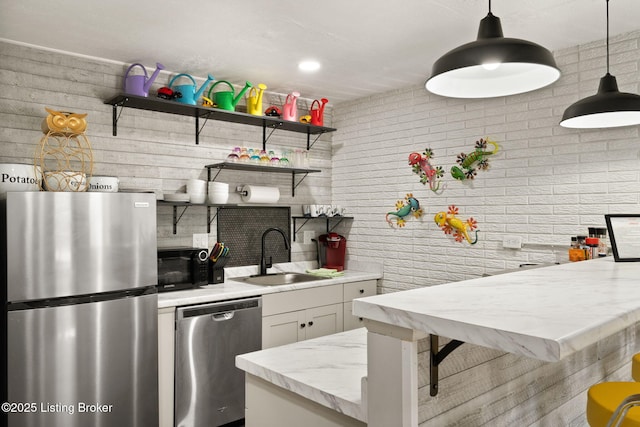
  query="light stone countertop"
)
[
  {"x": 326, "y": 370},
  {"x": 546, "y": 313},
  {"x": 233, "y": 289}
]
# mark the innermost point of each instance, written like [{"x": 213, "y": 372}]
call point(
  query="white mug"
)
[{"x": 313, "y": 210}]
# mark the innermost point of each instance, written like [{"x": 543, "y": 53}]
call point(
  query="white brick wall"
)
[
  {"x": 153, "y": 151},
  {"x": 546, "y": 184}
]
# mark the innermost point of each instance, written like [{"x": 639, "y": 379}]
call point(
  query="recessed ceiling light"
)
[{"x": 309, "y": 65}]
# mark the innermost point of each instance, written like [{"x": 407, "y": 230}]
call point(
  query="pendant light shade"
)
[
  {"x": 492, "y": 66},
  {"x": 607, "y": 108}
]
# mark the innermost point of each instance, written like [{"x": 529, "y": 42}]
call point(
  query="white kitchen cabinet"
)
[
  {"x": 289, "y": 317},
  {"x": 166, "y": 347},
  {"x": 294, "y": 326},
  {"x": 352, "y": 291}
]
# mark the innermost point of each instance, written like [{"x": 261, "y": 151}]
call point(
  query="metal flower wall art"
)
[
  {"x": 421, "y": 166},
  {"x": 409, "y": 206},
  {"x": 477, "y": 159},
  {"x": 451, "y": 224}
]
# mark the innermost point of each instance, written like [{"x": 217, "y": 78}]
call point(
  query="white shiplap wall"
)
[
  {"x": 153, "y": 151},
  {"x": 545, "y": 184}
]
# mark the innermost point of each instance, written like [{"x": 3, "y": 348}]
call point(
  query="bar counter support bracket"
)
[{"x": 436, "y": 357}]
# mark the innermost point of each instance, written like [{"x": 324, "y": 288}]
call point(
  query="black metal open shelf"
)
[
  {"x": 259, "y": 168},
  {"x": 172, "y": 107}
]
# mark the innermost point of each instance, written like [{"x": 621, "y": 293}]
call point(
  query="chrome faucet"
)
[{"x": 263, "y": 260}]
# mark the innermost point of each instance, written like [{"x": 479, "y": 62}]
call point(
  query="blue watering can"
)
[{"x": 189, "y": 94}]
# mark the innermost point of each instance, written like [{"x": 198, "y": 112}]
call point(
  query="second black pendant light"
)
[
  {"x": 492, "y": 66},
  {"x": 607, "y": 108}
]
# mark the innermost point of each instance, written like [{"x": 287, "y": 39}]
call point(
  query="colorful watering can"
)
[
  {"x": 289, "y": 109},
  {"x": 225, "y": 99},
  {"x": 254, "y": 100},
  {"x": 317, "y": 114},
  {"x": 140, "y": 85},
  {"x": 189, "y": 93}
]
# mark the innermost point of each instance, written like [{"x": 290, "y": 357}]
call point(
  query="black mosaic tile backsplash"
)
[{"x": 240, "y": 228}]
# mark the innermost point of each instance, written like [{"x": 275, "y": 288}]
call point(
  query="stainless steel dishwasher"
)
[{"x": 209, "y": 389}]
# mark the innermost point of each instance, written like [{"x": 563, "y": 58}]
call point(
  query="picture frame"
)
[{"x": 624, "y": 235}]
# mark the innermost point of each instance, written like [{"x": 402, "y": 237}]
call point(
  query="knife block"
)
[{"x": 216, "y": 270}]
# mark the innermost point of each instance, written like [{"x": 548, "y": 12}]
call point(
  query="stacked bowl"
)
[
  {"x": 218, "y": 193},
  {"x": 197, "y": 190}
]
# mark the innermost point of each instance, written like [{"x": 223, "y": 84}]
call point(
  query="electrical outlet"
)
[
  {"x": 308, "y": 237},
  {"x": 201, "y": 240},
  {"x": 512, "y": 242}
]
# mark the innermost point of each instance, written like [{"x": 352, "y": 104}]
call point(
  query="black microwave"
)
[{"x": 182, "y": 268}]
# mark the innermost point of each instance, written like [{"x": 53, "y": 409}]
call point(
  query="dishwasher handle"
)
[
  {"x": 223, "y": 310},
  {"x": 221, "y": 317}
]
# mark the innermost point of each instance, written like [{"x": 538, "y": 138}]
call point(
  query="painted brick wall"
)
[
  {"x": 153, "y": 151},
  {"x": 545, "y": 184}
]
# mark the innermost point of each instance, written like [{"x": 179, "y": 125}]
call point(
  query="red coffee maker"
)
[{"x": 332, "y": 248}]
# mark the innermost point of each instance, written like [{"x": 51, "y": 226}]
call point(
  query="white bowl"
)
[
  {"x": 103, "y": 184},
  {"x": 176, "y": 197},
  {"x": 65, "y": 181},
  {"x": 197, "y": 198},
  {"x": 218, "y": 186},
  {"x": 218, "y": 198},
  {"x": 18, "y": 177}
]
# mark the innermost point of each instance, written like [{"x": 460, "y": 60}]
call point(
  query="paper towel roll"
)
[{"x": 256, "y": 194}]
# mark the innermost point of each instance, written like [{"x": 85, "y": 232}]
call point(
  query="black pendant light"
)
[
  {"x": 492, "y": 66},
  {"x": 607, "y": 108}
]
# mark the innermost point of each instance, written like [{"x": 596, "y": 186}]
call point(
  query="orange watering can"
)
[
  {"x": 254, "y": 100},
  {"x": 289, "y": 109},
  {"x": 317, "y": 115},
  {"x": 225, "y": 99}
]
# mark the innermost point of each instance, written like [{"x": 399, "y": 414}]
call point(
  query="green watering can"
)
[{"x": 225, "y": 100}]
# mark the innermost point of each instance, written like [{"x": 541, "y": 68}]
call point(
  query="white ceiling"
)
[{"x": 365, "y": 46}]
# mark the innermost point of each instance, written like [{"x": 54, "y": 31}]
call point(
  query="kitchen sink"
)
[{"x": 276, "y": 279}]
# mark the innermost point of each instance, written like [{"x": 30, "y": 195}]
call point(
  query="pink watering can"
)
[
  {"x": 289, "y": 109},
  {"x": 189, "y": 93},
  {"x": 140, "y": 85},
  {"x": 318, "y": 113}
]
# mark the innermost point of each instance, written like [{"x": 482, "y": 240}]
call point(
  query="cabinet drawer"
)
[
  {"x": 355, "y": 290},
  {"x": 283, "y": 302}
]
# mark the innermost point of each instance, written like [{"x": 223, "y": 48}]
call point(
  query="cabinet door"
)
[
  {"x": 351, "y": 321},
  {"x": 166, "y": 347},
  {"x": 281, "y": 329},
  {"x": 353, "y": 291},
  {"x": 324, "y": 320}
]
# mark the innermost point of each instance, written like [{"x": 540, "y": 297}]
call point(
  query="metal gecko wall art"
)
[
  {"x": 421, "y": 166},
  {"x": 451, "y": 224},
  {"x": 409, "y": 206},
  {"x": 477, "y": 159}
]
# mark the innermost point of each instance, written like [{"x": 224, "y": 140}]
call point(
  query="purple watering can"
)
[
  {"x": 289, "y": 109},
  {"x": 190, "y": 94},
  {"x": 140, "y": 85}
]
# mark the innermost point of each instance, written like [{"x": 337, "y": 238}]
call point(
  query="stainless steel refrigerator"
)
[{"x": 80, "y": 340}]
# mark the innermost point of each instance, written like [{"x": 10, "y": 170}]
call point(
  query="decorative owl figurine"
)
[
  {"x": 63, "y": 122},
  {"x": 64, "y": 156}
]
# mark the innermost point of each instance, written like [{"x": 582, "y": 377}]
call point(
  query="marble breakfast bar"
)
[
  {"x": 519, "y": 349},
  {"x": 548, "y": 314}
]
